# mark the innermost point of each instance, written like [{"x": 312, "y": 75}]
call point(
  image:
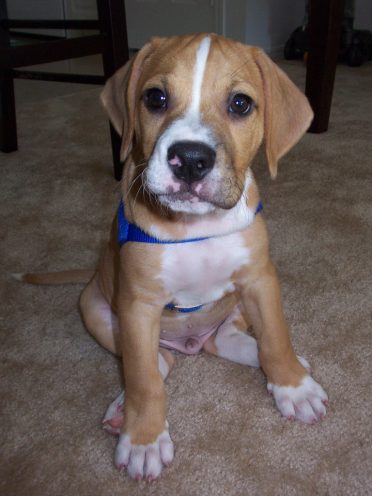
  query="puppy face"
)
[
  {"x": 196, "y": 109},
  {"x": 199, "y": 126}
]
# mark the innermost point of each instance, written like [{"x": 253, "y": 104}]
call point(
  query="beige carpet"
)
[{"x": 57, "y": 199}]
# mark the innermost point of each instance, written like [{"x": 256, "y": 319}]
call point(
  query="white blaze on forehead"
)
[
  {"x": 187, "y": 127},
  {"x": 199, "y": 69}
]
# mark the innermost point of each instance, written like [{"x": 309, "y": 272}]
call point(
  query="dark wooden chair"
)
[
  {"x": 111, "y": 42},
  {"x": 325, "y": 23}
]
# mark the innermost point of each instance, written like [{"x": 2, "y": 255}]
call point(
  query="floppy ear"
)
[
  {"x": 119, "y": 98},
  {"x": 287, "y": 112}
]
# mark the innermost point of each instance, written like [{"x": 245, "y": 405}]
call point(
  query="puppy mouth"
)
[
  {"x": 185, "y": 195},
  {"x": 180, "y": 196},
  {"x": 199, "y": 196},
  {"x": 185, "y": 198},
  {"x": 189, "y": 200}
]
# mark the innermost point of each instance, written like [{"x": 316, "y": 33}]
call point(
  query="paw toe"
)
[
  {"x": 166, "y": 448},
  {"x": 122, "y": 452},
  {"x": 318, "y": 406},
  {"x": 305, "y": 413},
  {"x": 286, "y": 408},
  {"x": 153, "y": 464},
  {"x": 136, "y": 462}
]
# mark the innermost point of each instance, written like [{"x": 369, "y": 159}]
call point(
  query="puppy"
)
[{"x": 187, "y": 266}]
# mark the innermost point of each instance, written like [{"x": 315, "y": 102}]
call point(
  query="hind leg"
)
[
  {"x": 99, "y": 318},
  {"x": 232, "y": 343},
  {"x": 103, "y": 325}
]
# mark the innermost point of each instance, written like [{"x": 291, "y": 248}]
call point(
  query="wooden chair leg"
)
[
  {"x": 325, "y": 22},
  {"x": 111, "y": 14},
  {"x": 8, "y": 125}
]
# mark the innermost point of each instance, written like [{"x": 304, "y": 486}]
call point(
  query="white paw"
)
[
  {"x": 144, "y": 461},
  {"x": 306, "y": 402}
]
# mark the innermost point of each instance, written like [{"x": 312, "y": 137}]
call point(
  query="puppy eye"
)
[
  {"x": 241, "y": 104},
  {"x": 155, "y": 99}
]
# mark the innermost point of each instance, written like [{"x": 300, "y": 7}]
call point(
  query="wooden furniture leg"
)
[
  {"x": 8, "y": 123},
  {"x": 111, "y": 14},
  {"x": 325, "y": 22}
]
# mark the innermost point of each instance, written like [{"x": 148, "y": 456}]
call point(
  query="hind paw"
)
[{"x": 113, "y": 419}]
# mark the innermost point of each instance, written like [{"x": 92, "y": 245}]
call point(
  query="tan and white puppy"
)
[{"x": 192, "y": 112}]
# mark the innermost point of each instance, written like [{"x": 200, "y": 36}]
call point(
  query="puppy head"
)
[{"x": 194, "y": 110}]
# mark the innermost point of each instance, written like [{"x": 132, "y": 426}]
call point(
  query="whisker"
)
[
  {"x": 140, "y": 164},
  {"x": 131, "y": 186},
  {"x": 146, "y": 190},
  {"x": 133, "y": 203},
  {"x": 140, "y": 190}
]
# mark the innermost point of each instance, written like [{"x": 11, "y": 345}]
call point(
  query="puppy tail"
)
[{"x": 64, "y": 277}]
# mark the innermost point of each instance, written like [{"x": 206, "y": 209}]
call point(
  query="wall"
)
[
  {"x": 232, "y": 13},
  {"x": 268, "y": 23},
  {"x": 363, "y": 14}
]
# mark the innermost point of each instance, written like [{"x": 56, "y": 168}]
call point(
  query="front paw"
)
[
  {"x": 306, "y": 402},
  {"x": 144, "y": 461}
]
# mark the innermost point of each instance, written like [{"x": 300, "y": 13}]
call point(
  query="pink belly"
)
[{"x": 191, "y": 342}]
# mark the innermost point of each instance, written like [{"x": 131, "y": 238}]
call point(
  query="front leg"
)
[
  {"x": 144, "y": 445},
  {"x": 296, "y": 394}
]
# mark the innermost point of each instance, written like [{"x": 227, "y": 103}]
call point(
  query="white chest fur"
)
[{"x": 201, "y": 272}]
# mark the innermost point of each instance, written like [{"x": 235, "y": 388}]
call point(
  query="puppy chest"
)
[{"x": 201, "y": 272}]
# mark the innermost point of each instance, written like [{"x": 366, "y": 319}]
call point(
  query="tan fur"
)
[
  {"x": 240, "y": 324},
  {"x": 262, "y": 302},
  {"x": 210, "y": 346}
]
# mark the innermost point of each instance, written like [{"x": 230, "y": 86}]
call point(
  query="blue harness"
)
[{"x": 130, "y": 232}]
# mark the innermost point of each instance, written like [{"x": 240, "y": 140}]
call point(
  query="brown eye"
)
[
  {"x": 241, "y": 104},
  {"x": 155, "y": 100}
]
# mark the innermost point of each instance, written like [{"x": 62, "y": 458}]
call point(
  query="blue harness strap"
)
[
  {"x": 130, "y": 232},
  {"x": 172, "y": 306},
  {"x": 259, "y": 208}
]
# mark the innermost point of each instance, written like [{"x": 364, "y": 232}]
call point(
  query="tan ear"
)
[
  {"x": 119, "y": 98},
  {"x": 287, "y": 113}
]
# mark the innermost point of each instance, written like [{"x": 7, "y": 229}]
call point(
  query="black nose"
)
[{"x": 190, "y": 160}]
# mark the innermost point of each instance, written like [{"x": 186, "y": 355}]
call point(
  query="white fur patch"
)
[
  {"x": 199, "y": 70},
  {"x": 235, "y": 345},
  {"x": 163, "y": 366},
  {"x": 144, "y": 461},
  {"x": 188, "y": 127},
  {"x": 305, "y": 402},
  {"x": 198, "y": 275}
]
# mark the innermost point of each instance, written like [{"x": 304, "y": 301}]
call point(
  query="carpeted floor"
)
[{"x": 57, "y": 200}]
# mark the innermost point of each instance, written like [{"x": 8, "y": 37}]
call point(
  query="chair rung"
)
[
  {"x": 51, "y": 51},
  {"x": 49, "y": 24},
  {"x": 59, "y": 76}
]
